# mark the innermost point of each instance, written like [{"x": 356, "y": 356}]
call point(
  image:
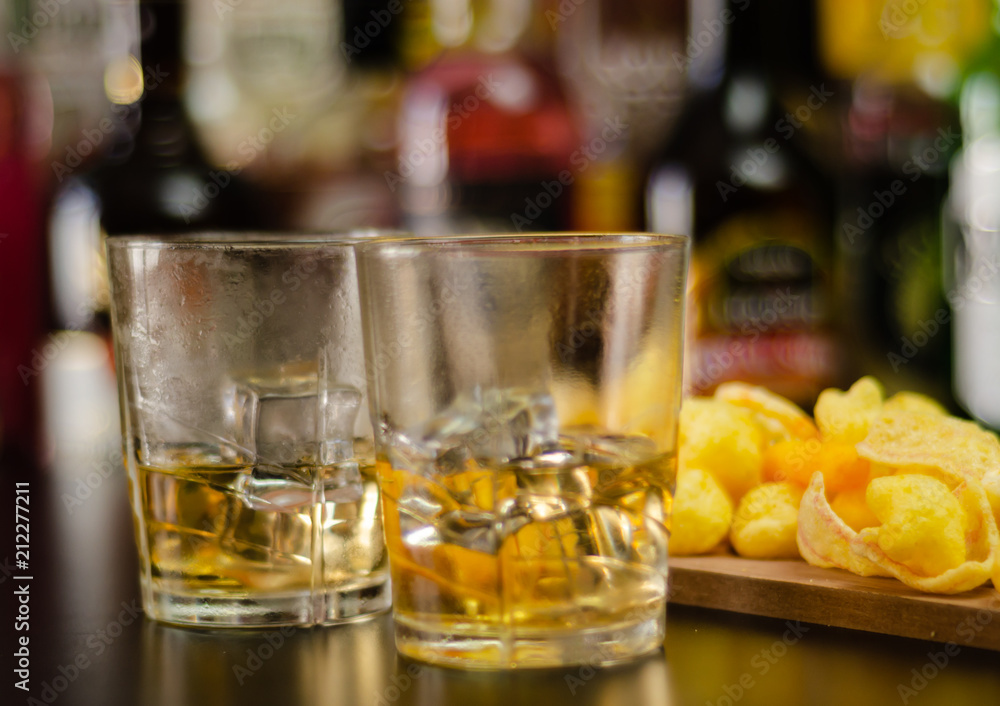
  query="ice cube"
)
[
  {"x": 488, "y": 427},
  {"x": 293, "y": 430},
  {"x": 559, "y": 472},
  {"x": 284, "y": 432},
  {"x": 610, "y": 530},
  {"x": 339, "y": 409},
  {"x": 431, "y": 449},
  {"x": 619, "y": 451},
  {"x": 471, "y": 530},
  {"x": 613, "y": 457},
  {"x": 411, "y": 451},
  {"x": 342, "y": 483},
  {"x": 517, "y": 424},
  {"x": 289, "y": 420},
  {"x": 272, "y": 490},
  {"x": 553, "y": 504},
  {"x": 653, "y": 551},
  {"x": 513, "y": 514},
  {"x": 284, "y": 489},
  {"x": 522, "y": 509},
  {"x": 450, "y": 461},
  {"x": 425, "y": 500}
]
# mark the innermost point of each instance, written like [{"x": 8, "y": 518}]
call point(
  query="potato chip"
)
[
  {"x": 796, "y": 460},
  {"x": 766, "y": 521},
  {"x": 824, "y": 539},
  {"x": 781, "y": 418},
  {"x": 950, "y": 449},
  {"x": 850, "y": 506},
  {"x": 912, "y": 402},
  {"x": 913, "y": 493},
  {"x": 789, "y": 459},
  {"x": 841, "y": 466},
  {"x": 877, "y": 470},
  {"x": 922, "y": 523},
  {"x": 846, "y": 416},
  {"x": 981, "y": 547},
  {"x": 991, "y": 485},
  {"x": 723, "y": 440},
  {"x": 702, "y": 513}
]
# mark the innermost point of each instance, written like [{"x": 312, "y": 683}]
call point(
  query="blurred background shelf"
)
[
  {"x": 835, "y": 162},
  {"x": 85, "y": 601}
]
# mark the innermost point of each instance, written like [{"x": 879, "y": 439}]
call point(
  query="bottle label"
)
[{"x": 761, "y": 307}]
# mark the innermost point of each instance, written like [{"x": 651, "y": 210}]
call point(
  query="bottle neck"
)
[
  {"x": 161, "y": 25},
  {"x": 726, "y": 44},
  {"x": 165, "y": 133},
  {"x": 744, "y": 38},
  {"x": 747, "y": 101}
]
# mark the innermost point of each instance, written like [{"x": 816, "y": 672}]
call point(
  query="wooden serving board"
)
[{"x": 794, "y": 590}]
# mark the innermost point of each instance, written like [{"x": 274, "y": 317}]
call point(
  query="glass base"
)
[
  {"x": 483, "y": 650},
  {"x": 208, "y": 610}
]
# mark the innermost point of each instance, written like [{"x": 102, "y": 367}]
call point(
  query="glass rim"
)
[
  {"x": 250, "y": 239},
  {"x": 556, "y": 242}
]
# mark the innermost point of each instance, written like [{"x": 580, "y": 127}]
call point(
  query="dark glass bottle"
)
[
  {"x": 22, "y": 264},
  {"x": 761, "y": 215},
  {"x": 153, "y": 176},
  {"x": 898, "y": 143},
  {"x": 488, "y": 137},
  {"x": 886, "y": 141}
]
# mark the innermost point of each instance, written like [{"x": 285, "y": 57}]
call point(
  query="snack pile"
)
[{"x": 879, "y": 487}]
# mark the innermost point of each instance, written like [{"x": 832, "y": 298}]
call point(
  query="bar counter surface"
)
[{"x": 88, "y": 642}]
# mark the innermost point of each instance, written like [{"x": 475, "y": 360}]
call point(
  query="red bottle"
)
[{"x": 22, "y": 273}]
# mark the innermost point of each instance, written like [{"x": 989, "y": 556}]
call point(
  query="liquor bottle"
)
[
  {"x": 971, "y": 240},
  {"x": 22, "y": 269},
  {"x": 761, "y": 215},
  {"x": 152, "y": 176},
  {"x": 898, "y": 144},
  {"x": 888, "y": 145},
  {"x": 300, "y": 96},
  {"x": 487, "y": 135}
]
